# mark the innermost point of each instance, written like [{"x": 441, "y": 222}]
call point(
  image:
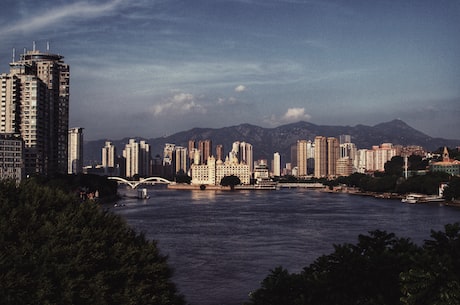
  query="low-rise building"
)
[
  {"x": 213, "y": 172},
  {"x": 447, "y": 165}
]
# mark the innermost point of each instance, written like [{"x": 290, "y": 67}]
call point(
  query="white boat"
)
[
  {"x": 413, "y": 198},
  {"x": 420, "y": 198}
]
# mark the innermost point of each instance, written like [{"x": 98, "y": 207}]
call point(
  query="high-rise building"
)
[
  {"x": 345, "y": 138},
  {"x": 191, "y": 150},
  {"x": 219, "y": 152},
  {"x": 333, "y": 155},
  {"x": 310, "y": 158},
  {"x": 276, "y": 164},
  {"x": 35, "y": 104},
  {"x": 242, "y": 152},
  {"x": 109, "y": 155},
  {"x": 327, "y": 152},
  {"x": 205, "y": 148},
  {"x": 302, "y": 158},
  {"x": 320, "y": 157},
  {"x": 11, "y": 157},
  {"x": 137, "y": 156},
  {"x": 181, "y": 157},
  {"x": 75, "y": 151}
]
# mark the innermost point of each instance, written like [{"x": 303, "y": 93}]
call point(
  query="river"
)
[{"x": 222, "y": 244}]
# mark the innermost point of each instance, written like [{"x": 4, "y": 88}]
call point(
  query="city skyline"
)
[{"x": 154, "y": 68}]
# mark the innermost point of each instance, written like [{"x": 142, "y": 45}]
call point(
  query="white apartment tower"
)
[
  {"x": 243, "y": 153},
  {"x": 75, "y": 151},
  {"x": 35, "y": 104},
  {"x": 109, "y": 154},
  {"x": 137, "y": 156},
  {"x": 276, "y": 164}
]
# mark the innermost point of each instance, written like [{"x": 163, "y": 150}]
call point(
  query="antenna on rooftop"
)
[
  {"x": 14, "y": 55},
  {"x": 33, "y": 46},
  {"x": 47, "y": 46}
]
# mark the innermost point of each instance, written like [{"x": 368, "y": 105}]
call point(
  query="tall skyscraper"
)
[
  {"x": 205, "y": 148},
  {"x": 302, "y": 158},
  {"x": 276, "y": 164},
  {"x": 109, "y": 155},
  {"x": 137, "y": 156},
  {"x": 333, "y": 155},
  {"x": 75, "y": 151},
  {"x": 181, "y": 157},
  {"x": 35, "y": 104},
  {"x": 243, "y": 153},
  {"x": 320, "y": 157},
  {"x": 219, "y": 152}
]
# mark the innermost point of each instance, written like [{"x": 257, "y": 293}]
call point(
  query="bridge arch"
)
[{"x": 134, "y": 184}]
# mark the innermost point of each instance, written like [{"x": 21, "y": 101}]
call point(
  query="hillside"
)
[{"x": 266, "y": 141}]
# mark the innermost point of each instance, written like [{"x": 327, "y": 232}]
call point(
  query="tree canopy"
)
[
  {"x": 58, "y": 250},
  {"x": 231, "y": 181},
  {"x": 380, "y": 269}
]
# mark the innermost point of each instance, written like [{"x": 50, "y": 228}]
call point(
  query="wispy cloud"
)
[
  {"x": 78, "y": 10},
  {"x": 179, "y": 104}
]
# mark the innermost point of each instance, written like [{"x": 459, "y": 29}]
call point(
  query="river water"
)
[{"x": 222, "y": 244}]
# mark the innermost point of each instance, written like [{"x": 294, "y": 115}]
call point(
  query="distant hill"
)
[{"x": 267, "y": 141}]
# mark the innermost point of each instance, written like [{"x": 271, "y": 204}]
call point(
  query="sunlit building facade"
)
[{"x": 75, "y": 151}]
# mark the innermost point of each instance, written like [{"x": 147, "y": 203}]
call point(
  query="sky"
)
[{"x": 151, "y": 68}]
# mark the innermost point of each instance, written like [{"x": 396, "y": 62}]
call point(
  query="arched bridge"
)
[{"x": 134, "y": 184}]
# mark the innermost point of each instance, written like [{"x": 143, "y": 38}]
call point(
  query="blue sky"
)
[{"x": 152, "y": 68}]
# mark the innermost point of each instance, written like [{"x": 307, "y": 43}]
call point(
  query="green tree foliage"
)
[
  {"x": 417, "y": 163},
  {"x": 394, "y": 167},
  {"x": 57, "y": 250},
  {"x": 231, "y": 181},
  {"x": 425, "y": 184},
  {"x": 380, "y": 269},
  {"x": 435, "y": 277},
  {"x": 75, "y": 183},
  {"x": 452, "y": 191}
]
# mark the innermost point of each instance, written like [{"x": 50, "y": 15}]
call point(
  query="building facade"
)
[
  {"x": 214, "y": 170},
  {"x": 109, "y": 159},
  {"x": 35, "y": 104},
  {"x": 11, "y": 157},
  {"x": 75, "y": 151},
  {"x": 302, "y": 158},
  {"x": 276, "y": 164},
  {"x": 137, "y": 157}
]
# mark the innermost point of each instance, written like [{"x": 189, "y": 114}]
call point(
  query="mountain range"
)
[{"x": 267, "y": 141}]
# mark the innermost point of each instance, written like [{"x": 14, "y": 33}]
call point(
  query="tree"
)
[
  {"x": 231, "y": 181},
  {"x": 394, "y": 167},
  {"x": 57, "y": 250},
  {"x": 452, "y": 191},
  {"x": 435, "y": 278},
  {"x": 365, "y": 273}
]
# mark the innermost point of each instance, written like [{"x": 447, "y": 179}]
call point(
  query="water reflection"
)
[{"x": 203, "y": 196}]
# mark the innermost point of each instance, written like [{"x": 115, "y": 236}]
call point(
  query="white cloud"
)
[
  {"x": 292, "y": 115},
  {"x": 240, "y": 88},
  {"x": 180, "y": 103},
  {"x": 295, "y": 115}
]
